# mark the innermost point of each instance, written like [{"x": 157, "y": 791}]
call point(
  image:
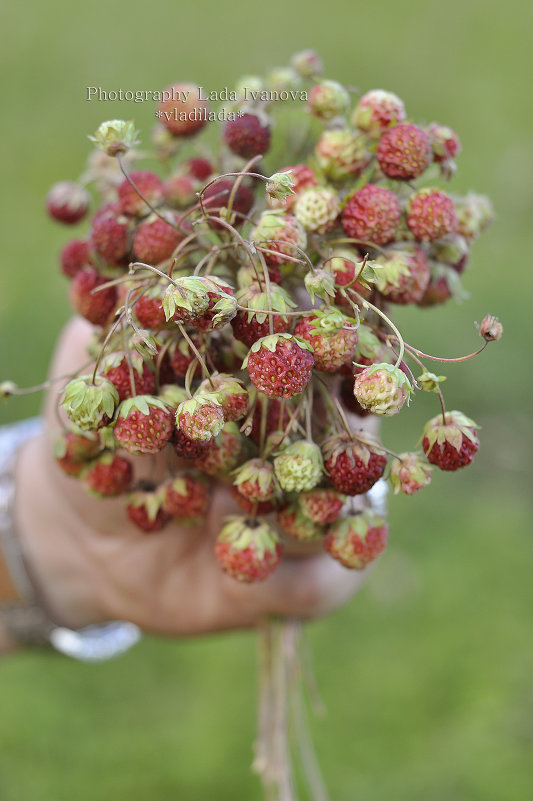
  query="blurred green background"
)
[{"x": 427, "y": 673}]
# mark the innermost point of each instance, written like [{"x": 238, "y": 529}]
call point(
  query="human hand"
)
[{"x": 93, "y": 564}]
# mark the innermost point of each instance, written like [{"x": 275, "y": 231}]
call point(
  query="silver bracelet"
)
[{"x": 26, "y": 620}]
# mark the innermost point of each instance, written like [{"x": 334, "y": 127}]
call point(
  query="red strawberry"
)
[
  {"x": 67, "y": 202},
  {"x": 145, "y": 510},
  {"x": 74, "y": 256},
  {"x": 143, "y": 424},
  {"x": 331, "y": 350},
  {"x": 114, "y": 367},
  {"x": 445, "y": 142},
  {"x": 217, "y": 197},
  {"x": 182, "y": 111},
  {"x": 148, "y": 184},
  {"x": 249, "y": 326},
  {"x": 404, "y": 152},
  {"x": 452, "y": 444},
  {"x": 110, "y": 237},
  {"x": 248, "y": 552},
  {"x": 156, "y": 240},
  {"x": 200, "y": 417},
  {"x": 255, "y": 480},
  {"x": 224, "y": 455},
  {"x": 179, "y": 191},
  {"x": 431, "y": 215},
  {"x": 230, "y": 393},
  {"x": 109, "y": 475},
  {"x": 199, "y": 168},
  {"x": 321, "y": 505},
  {"x": 297, "y": 525},
  {"x": 72, "y": 451},
  {"x": 247, "y": 136},
  {"x": 437, "y": 291},
  {"x": 188, "y": 448},
  {"x": 149, "y": 310},
  {"x": 186, "y": 498},
  {"x": 357, "y": 540},
  {"x": 405, "y": 275},
  {"x": 353, "y": 467},
  {"x": 377, "y": 110},
  {"x": 97, "y": 307},
  {"x": 372, "y": 214},
  {"x": 248, "y": 506},
  {"x": 280, "y": 365}
]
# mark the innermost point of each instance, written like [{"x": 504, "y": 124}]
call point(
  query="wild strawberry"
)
[
  {"x": 248, "y": 506},
  {"x": 74, "y": 256},
  {"x": 474, "y": 214},
  {"x": 303, "y": 177},
  {"x": 155, "y": 240},
  {"x": 431, "y": 215},
  {"x": 221, "y": 307},
  {"x": 249, "y": 326},
  {"x": 188, "y": 448},
  {"x": 179, "y": 191},
  {"x": 322, "y": 506},
  {"x": 341, "y": 154},
  {"x": 280, "y": 365},
  {"x": 452, "y": 444},
  {"x": 405, "y": 275},
  {"x": 248, "y": 552},
  {"x": 378, "y": 110},
  {"x": 230, "y": 393},
  {"x": 217, "y": 197},
  {"x": 299, "y": 467},
  {"x": 115, "y": 136},
  {"x": 72, "y": 451},
  {"x": 279, "y": 233},
  {"x": 332, "y": 344},
  {"x": 115, "y": 367},
  {"x": 444, "y": 142},
  {"x": 200, "y": 417},
  {"x": 353, "y": 467},
  {"x": 255, "y": 480},
  {"x": 317, "y": 209},
  {"x": 109, "y": 475},
  {"x": 67, "y": 202},
  {"x": 186, "y": 497},
  {"x": 143, "y": 424},
  {"x": 90, "y": 405},
  {"x": 490, "y": 328},
  {"x": 307, "y": 63},
  {"x": 185, "y": 299},
  {"x": 372, "y": 214},
  {"x": 439, "y": 288},
  {"x": 452, "y": 249},
  {"x": 382, "y": 389},
  {"x": 97, "y": 307},
  {"x": 199, "y": 168},
  {"x": 404, "y": 152},
  {"x": 181, "y": 357},
  {"x": 148, "y": 184},
  {"x": 110, "y": 237},
  {"x": 296, "y": 525},
  {"x": 145, "y": 510},
  {"x": 182, "y": 111},
  {"x": 224, "y": 455},
  {"x": 409, "y": 473},
  {"x": 149, "y": 310},
  {"x": 328, "y": 99},
  {"x": 357, "y": 540},
  {"x": 247, "y": 136}
]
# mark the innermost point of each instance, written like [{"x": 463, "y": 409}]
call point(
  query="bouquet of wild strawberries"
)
[{"x": 239, "y": 317}]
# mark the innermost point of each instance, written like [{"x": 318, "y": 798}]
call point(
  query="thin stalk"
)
[
  {"x": 138, "y": 191},
  {"x": 196, "y": 352},
  {"x": 133, "y": 266},
  {"x": 367, "y": 304}
]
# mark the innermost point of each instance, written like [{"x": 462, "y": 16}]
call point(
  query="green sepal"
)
[
  {"x": 241, "y": 535},
  {"x": 142, "y": 404},
  {"x": 270, "y": 343},
  {"x": 429, "y": 382}
]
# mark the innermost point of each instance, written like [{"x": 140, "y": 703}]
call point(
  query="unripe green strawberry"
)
[
  {"x": 355, "y": 541},
  {"x": 299, "y": 467},
  {"x": 248, "y": 552},
  {"x": 341, "y": 154},
  {"x": 200, "y": 417},
  {"x": 382, "y": 389},
  {"x": 115, "y": 136},
  {"x": 90, "y": 405},
  {"x": 328, "y": 99},
  {"x": 317, "y": 209},
  {"x": 410, "y": 473}
]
